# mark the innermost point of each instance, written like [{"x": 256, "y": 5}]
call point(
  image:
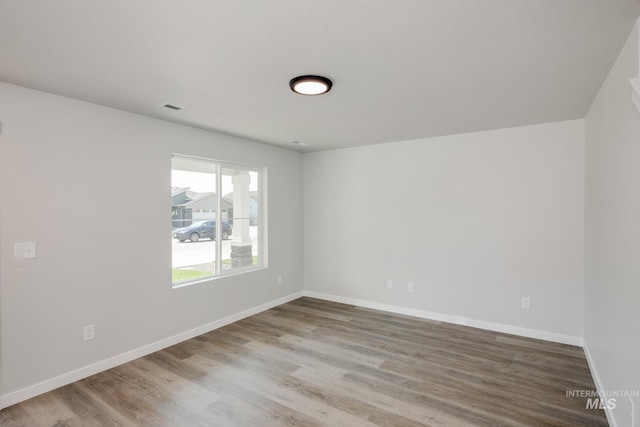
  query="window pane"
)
[
  {"x": 241, "y": 208},
  {"x": 211, "y": 199},
  {"x": 193, "y": 208}
]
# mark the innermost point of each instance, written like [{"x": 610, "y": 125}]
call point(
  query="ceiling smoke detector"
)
[{"x": 296, "y": 142}]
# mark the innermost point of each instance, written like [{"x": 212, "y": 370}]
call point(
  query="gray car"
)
[{"x": 202, "y": 230}]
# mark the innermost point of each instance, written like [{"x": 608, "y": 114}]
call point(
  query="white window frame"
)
[{"x": 219, "y": 273}]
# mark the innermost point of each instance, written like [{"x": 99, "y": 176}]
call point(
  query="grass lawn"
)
[
  {"x": 180, "y": 275},
  {"x": 183, "y": 274}
]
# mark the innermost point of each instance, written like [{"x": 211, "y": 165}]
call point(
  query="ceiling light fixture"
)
[{"x": 310, "y": 85}]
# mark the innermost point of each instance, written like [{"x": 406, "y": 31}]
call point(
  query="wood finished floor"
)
[{"x": 311, "y": 363}]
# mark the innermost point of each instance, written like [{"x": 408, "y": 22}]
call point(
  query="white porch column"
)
[{"x": 241, "y": 253}]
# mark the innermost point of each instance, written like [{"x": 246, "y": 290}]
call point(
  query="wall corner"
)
[
  {"x": 635, "y": 93},
  {"x": 635, "y": 83}
]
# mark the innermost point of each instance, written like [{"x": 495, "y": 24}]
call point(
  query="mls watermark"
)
[{"x": 604, "y": 399}]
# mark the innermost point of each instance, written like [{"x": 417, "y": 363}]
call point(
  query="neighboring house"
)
[
  {"x": 178, "y": 196},
  {"x": 253, "y": 206},
  {"x": 180, "y": 217},
  {"x": 188, "y": 206},
  {"x": 203, "y": 206}
]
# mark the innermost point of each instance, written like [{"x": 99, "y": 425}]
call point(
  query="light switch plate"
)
[{"x": 24, "y": 250}]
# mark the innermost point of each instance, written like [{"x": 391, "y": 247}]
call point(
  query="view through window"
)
[{"x": 211, "y": 199}]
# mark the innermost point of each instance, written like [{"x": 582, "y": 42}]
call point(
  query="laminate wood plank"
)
[
  {"x": 343, "y": 402},
  {"x": 125, "y": 400},
  {"x": 285, "y": 394},
  {"x": 222, "y": 334},
  {"x": 410, "y": 392},
  {"x": 503, "y": 400},
  {"x": 324, "y": 360},
  {"x": 220, "y": 380},
  {"x": 434, "y": 347},
  {"x": 244, "y": 358},
  {"x": 430, "y": 339},
  {"x": 17, "y": 416},
  {"x": 89, "y": 412},
  {"x": 251, "y": 333},
  {"x": 319, "y": 312},
  {"x": 181, "y": 394},
  {"x": 437, "y": 338},
  {"x": 545, "y": 347},
  {"x": 184, "y": 349},
  {"x": 323, "y": 305},
  {"x": 173, "y": 364},
  {"x": 388, "y": 406},
  {"x": 311, "y": 362},
  {"x": 35, "y": 414},
  {"x": 234, "y": 411},
  {"x": 285, "y": 353},
  {"x": 420, "y": 322},
  {"x": 412, "y": 346},
  {"x": 336, "y": 352},
  {"x": 467, "y": 373},
  {"x": 48, "y": 410},
  {"x": 563, "y": 416},
  {"x": 276, "y": 323}
]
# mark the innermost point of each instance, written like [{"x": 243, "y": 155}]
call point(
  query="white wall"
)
[
  {"x": 612, "y": 232},
  {"x": 91, "y": 186},
  {"x": 476, "y": 221}
]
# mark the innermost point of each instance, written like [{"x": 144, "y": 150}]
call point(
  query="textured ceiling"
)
[{"x": 401, "y": 69}]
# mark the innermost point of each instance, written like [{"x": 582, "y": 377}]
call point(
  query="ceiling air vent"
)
[{"x": 172, "y": 107}]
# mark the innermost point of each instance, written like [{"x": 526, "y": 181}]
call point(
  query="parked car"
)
[{"x": 202, "y": 230}]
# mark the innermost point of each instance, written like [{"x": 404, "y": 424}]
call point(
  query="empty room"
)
[{"x": 320, "y": 213}]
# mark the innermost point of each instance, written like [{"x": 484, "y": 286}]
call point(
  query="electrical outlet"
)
[
  {"x": 526, "y": 303},
  {"x": 389, "y": 284},
  {"x": 411, "y": 287},
  {"x": 280, "y": 279},
  {"x": 89, "y": 332}
]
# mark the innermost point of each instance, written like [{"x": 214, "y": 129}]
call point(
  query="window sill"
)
[{"x": 234, "y": 272}]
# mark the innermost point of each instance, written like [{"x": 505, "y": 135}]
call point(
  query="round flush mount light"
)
[{"x": 310, "y": 85}]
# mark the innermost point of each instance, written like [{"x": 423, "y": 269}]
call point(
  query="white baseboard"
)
[
  {"x": 458, "y": 320},
  {"x": 599, "y": 386},
  {"x": 84, "y": 372}
]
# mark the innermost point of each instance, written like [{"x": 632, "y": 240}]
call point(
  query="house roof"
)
[
  {"x": 252, "y": 195},
  {"x": 205, "y": 201},
  {"x": 177, "y": 190}
]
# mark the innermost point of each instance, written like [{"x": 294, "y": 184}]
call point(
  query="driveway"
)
[{"x": 204, "y": 251}]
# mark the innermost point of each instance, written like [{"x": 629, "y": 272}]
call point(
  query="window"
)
[{"x": 211, "y": 199}]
